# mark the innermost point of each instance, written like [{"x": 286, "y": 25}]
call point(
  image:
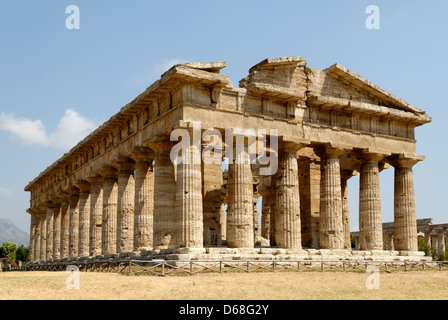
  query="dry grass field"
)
[{"x": 236, "y": 286}]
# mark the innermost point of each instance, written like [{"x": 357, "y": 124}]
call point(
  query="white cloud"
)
[
  {"x": 152, "y": 73},
  {"x": 71, "y": 129},
  {"x": 5, "y": 191},
  {"x": 167, "y": 64}
]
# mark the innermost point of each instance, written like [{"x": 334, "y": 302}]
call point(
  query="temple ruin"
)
[{"x": 118, "y": 193}]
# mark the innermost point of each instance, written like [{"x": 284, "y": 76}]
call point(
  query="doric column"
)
[
  {"x": 331, "y": 230},
  {"x": 427, "y": 238},
  {"x": 74, "y": 224},
  {"x": 110, "y": 200},
  {"x": 370, "y": 224},
  {"x": 50, "y": 224},
  {"x": 434, "y": 242},
  {"x": 125, "y": 204},
  {"x": 266, "y": 214},
  {"x": 288, "y": 229},
  {"x": 405, "y": 220},
  {"x": 388, "y": 241},
  {"x": 273, "y": 210},
  {"x": 144, "y": 199},
  {"x": 345, "y": 176},
  {"x": 165, "y": 218},
  {"x": 96, "y": 215},
  {"x": 212, "y": 180},
  {"x": 188, "y": 200},
  {"x": 441, "y": 247},
  {"x": 65, "y": 225},
  {"x": 43, "y": 235},
  {"x": 240, "y": 224},
  {"x": 34, "y": 229},
  {"x": 57, "y": 230},
  {"x": 84, "y": 218}
]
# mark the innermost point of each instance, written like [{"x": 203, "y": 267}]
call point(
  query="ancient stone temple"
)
[{"x": 121, "y": 193}]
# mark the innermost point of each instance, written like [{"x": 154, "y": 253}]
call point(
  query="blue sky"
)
[{"x": 51, "y": 76}]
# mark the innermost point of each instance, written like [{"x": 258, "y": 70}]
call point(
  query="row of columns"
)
[{"x": 131, "y": 206}]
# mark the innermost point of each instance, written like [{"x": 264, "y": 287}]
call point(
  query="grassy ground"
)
[{"x": 236, "y": 286}]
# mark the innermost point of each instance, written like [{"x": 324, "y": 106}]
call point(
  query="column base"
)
[{"x": 254, "y": 254}]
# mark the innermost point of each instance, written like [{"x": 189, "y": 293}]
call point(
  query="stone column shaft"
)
[
  {"x": 49, "y": 221},
  {"x": 125, "y": 207},
  {"x": 240, "y": 223},
  {"x": 288, "y": 229},
  {"x": 74, "y": 224},
  {"x": 96, "y": 215},
  {"x": 165, "y": 216},
  {"x": 331, "y": 229},
  {"x": 65, "y": 227},
  {"x": 109, "y": 223},
  {"x": 43, "y": 236},
  {"x": 189, "y": 199},
  {"x": 144, "y": 206},
  {"x": 345, "y": 176},
  {"x": 370, "y": 225},
  {"x": 57, "y": 232},
  {"x": 405, "y": 220},
  {"x": 84, "y": 219},
  {"x": 33, "y": 231}
]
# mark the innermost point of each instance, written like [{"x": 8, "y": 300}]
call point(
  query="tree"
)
[
  {"x": 22, "y": 253},
  {"x": 8, "y": 251}
]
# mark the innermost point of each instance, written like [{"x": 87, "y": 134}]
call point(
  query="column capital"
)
[
  {"x": 405, "y": 160},
  {"x": 331, "y": 150},
  {"x": 122, "y": 163},
  {"x": 142, "y": 154},
  {"x": 292, "y": 144},
  {"x": 161, "y": 144},
  {"x": 107, "y": 172},
  {"x": 83, "y": 186},
  {"x": 371, "y": 155},
  {"x": 94, "y": 179}
]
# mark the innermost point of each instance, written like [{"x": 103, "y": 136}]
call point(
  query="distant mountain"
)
[{"x": 10, "y": 233}]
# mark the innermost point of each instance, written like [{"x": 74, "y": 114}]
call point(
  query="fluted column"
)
[
  {"x": 144, "y": 199},
  {"x": 110, "y": 200},
  {"x": 43, "y": 235},
  {"x": 331, "y": 229},
  {"x": 165, "y": 218},
  {"x": 405, "y": 220},
  {"x": 50, "y": 221},
  {"x": 240, "y": 224},
  {"x": 288, "y": 229},
  {"x": 441, "y": 247},
  {"x": 345, "y": 176},
  {"x": 34, "y": 234},
  {"x": 57, "y": 231},
  {"x": 427, "y": 237},
  {"x": 84, "y": 218},
  {"x": 125, "y": 204},
  {"x": 212, "y": 180},
  {"x": 370, "y": 223},
  {"x": 74, "y": 223},
  {"x": 188, "y": 201},
  {"x": 65, "y": 226},
  {"x": 96, "y": 215},
  {"x": 266, "y": 215},
  {"x": 434, "y": 243},
  {"x": 273, "y": 210}
]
